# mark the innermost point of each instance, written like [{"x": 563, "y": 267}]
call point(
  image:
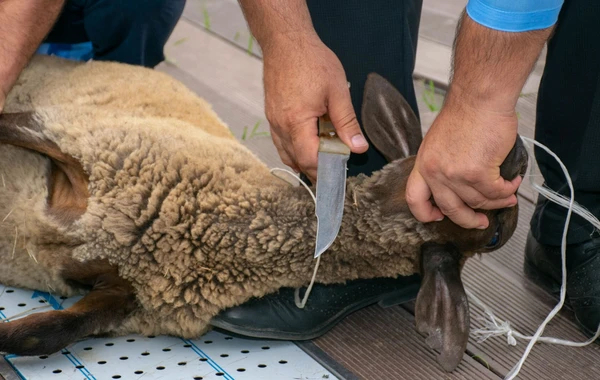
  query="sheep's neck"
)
[{"x": 274, "y": 230}]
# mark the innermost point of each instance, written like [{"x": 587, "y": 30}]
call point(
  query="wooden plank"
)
[
  {"x": 514, "y": 299},
  {"x": 449, "y": 8},
  {"x": 438, "y": 25},
  {"x": 377, "y": 343},
  {"x": 226, "y": 77},
  {"x": 220, "y": 66},
  {"x": 225, "y": 19},
  {"x": 433, "y": 61},
  {"x": 326, "y": 361},
  {"x": 498, "y": 280}
]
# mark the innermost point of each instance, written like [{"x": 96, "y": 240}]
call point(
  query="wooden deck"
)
[{"x": 221, "y": 65}]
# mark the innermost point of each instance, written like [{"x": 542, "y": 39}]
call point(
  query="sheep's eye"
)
[{"x": 495, "y": 239}]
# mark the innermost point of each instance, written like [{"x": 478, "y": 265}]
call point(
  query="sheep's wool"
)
[{"x": 192, "y": 218}]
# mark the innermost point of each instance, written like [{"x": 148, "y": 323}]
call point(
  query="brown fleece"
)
[{"x": 193, "y": 220}]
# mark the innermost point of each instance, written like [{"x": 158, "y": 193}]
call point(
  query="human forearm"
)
[
  {"x": 23, "y": 26},
  {"x": 303, "y": 80},
  {"x": 274, "y": 21},
  {"x": 490, "y": 67}
]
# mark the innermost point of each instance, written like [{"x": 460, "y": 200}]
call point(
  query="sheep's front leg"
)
[{"x": 104, "y": 308}]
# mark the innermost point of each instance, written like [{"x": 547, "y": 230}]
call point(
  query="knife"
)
[{"x": 331, "y": 184}]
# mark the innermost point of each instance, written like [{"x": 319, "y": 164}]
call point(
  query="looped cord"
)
[
  {"x": 301, "y": 303},
  {"x": 496, "y": 327}
]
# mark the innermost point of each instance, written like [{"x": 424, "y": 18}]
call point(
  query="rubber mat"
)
[{"x": 213, "y": 356}]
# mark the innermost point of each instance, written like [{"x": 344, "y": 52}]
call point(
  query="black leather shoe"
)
[
  {"x": 276, "y": 316},
  {"x": 543, "y": 266}
]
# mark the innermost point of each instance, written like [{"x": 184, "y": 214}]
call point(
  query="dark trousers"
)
[
  {"x": 371, "y": 36},
  {"x": 381, "y": 36},
  {"x": 568, "y": 121},
  {"x": 128, "y": 31}
]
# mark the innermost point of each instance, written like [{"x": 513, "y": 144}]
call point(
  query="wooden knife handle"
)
[{"x": 329, "y": 142}]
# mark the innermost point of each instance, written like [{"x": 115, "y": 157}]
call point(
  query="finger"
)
[
  {"x": 499, "y": 203},
  {"x": 494, "y": 204},
  {"x": 312, "y": 176},
  {"x": 303, "y": 147},
  {"x": 344, "y": 120},
  {"x": 454, "y": 208},
  {"x": 418, "y": 197},
  {"x": 499, "y": 189},
  {"x": 475, "y": 200},
  {"x": 283, "y": 154}
]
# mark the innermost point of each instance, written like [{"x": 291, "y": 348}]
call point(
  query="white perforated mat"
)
[{"x": 214, "y": 356}]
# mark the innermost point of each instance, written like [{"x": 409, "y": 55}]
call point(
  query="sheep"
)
[{"x": 120, "y": 184}]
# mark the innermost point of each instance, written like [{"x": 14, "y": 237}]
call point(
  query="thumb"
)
[{"x": 341, "y": 113}]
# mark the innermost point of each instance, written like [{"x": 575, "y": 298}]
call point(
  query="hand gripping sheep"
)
[{"x": 121, "y": 184}]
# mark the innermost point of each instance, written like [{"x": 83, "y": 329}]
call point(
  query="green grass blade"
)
[
  {"x": 250, "y": 44},
  {"x": 206, "y": 16},
  {"x": 180, "y": 41}
]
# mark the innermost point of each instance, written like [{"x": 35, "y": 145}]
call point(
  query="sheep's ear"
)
[
  {"x": 442, "y": 308},
  {"x": 68, "y": 183},
  {"x": 388, "y": 120}
]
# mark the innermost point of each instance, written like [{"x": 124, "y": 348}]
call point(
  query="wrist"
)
[
  {"x": 482, "y": 98},
  {"x": 286, "y": 41},
  {"x": 277, "y": 24},
  {"x": 490, "y": 67}
]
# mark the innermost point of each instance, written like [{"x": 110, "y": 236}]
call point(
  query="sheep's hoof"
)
[
  {"x": 105, "y": 307},
  {"x": 442, "y": 308}
]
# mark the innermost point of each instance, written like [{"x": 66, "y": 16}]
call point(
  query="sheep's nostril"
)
[
  {"x": 524, "y": 162},
  {"x": 516, "y": 162}
]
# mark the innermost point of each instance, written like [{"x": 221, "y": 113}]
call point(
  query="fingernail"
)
[
  {"x": 482, "y": 227},
  {"x": 440, "y": 219},
  {"x": 358, "y": 141}
]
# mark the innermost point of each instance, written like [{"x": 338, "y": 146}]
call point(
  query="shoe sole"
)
[{"x": 409, "y": 294}]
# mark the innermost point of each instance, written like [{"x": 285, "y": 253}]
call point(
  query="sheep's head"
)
[{"x": 442, "y": 311}]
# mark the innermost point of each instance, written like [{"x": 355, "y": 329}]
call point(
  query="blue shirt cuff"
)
[{"x": 515, "y": 16}]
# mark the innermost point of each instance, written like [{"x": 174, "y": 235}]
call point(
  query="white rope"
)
[
  {"x": 497, "y": 327},
  {"x": 493, "y": 326},
  {"x": 301, "y": 303}
]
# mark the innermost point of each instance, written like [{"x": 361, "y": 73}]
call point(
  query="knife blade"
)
[{"x": 331, "y": 184}]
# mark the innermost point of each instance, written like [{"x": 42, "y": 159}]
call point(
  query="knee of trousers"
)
[
  {"x": 135, "y": 11},
  {"x": 169, "y": 11},
  {"x": 134, "y": 31}
]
